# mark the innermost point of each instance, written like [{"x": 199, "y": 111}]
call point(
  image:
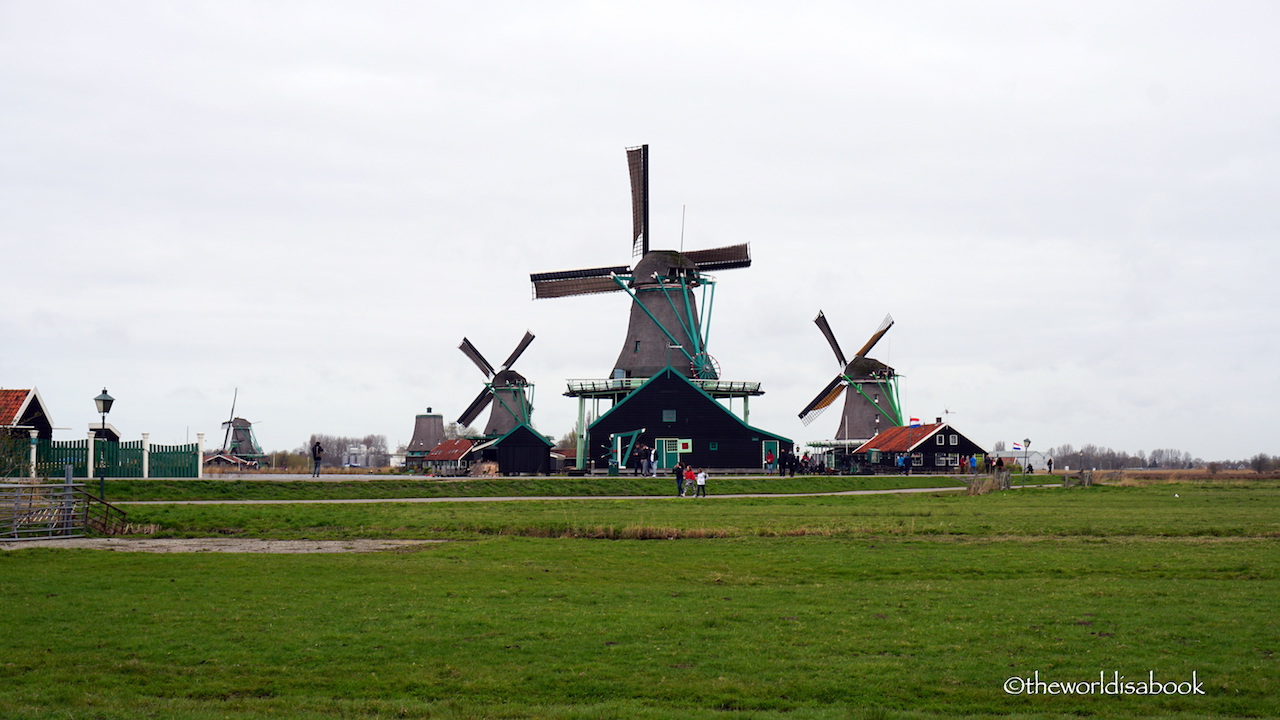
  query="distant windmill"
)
[
  {"x": 508, "y": 387},
  {"x": 665, "y": 323},
  {"x": 238, "y": 440},
  {"x": 871, "y": 401}
]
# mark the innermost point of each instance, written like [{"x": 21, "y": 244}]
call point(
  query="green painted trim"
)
[{"x": 887, "y": 392}]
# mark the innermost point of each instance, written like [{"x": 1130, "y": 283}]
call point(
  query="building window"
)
[
  {"x": 941, "y": 440},
  {"x": 637, "y": 346},
  {"x": 917, "y": 460},
  {"x": 668, "y": 416},
  {"x": 714, "y": 445},
  {"x": 955, "y": 440}
]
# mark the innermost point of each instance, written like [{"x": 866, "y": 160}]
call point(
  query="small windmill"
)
[
  {"x": 870, "y": 387},
  {"x": 239, "y": 440},
  {"x": 665, "y": 323},
  {"x": 509, "y": 388}
]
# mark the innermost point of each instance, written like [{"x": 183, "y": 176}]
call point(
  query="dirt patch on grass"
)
[{"x": 222, "y": 545}]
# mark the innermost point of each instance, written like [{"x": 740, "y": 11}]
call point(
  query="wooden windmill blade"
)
[
  {"x": 829, "y": 394},
  {"x": 476, "y": 407},
  {"x": 825, "y": 327},
  {"x": 515, "y": 354},
  {"x": 588, "y": 281},
  {"x": 875, "y": 337},
  {"x": 638, "y": 164},
  {"x": 470, "y": 351},
  {"x": 721, "y": 258}
]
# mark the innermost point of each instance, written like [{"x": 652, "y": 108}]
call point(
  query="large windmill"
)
[
  {"x": 870, "y": 388},
  {"x": 509, "y": 388},
  {"x": 665, "y": 326},
  {"x": 663, "y": 380}
]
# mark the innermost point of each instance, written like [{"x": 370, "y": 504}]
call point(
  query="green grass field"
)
[
  {"x": 134, "y": 490},
  {"x": 917, "y": 606}
]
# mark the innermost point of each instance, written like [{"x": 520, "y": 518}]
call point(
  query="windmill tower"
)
[
  {"x": 869, "y": 386},
  {"x": 509, "y": 388},
  {"x": 665, "y": 327}
]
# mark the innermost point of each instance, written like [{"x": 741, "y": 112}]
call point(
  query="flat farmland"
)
[{"x": 922, "y": 606}]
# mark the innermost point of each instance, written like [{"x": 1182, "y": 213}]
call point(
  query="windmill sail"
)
[
  {"x": 828, "y": 395},
  {"x": 470, "y": 351},
  {"x": 638, "y": 164},
  {"x": 825, "y": 327},
  {"x": 721, "y": 258},
  {"x": 875, "y": 337},
  {"x": 576, "y": 282}
]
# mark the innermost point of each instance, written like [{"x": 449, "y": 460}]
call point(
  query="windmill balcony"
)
[{"x": 611, "y": 386}]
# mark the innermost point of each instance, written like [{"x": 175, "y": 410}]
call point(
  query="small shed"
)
[{"x": 521, "y": 451}]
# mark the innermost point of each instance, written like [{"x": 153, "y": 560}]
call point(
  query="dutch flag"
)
[
  {"x": 915, "y": 422},
  {"x": 1017, "y": 446}
]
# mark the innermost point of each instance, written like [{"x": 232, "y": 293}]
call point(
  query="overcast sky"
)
[{"x": 1069, "y": 209}]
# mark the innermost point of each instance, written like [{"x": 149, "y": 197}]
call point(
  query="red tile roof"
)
[
  {"x": 449, "y": 450},
  {"x": 11, "y": 402},
  {"x": 900, "y": 439}
]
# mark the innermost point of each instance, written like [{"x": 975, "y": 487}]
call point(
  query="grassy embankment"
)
[
  {"x": 836, "y": 607},
  {"x": 268, "y": 489}
]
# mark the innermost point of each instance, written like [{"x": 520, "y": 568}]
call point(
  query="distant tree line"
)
[
  {"x": 336, "y": 449},
  {"x": 1104, "y": 458}
]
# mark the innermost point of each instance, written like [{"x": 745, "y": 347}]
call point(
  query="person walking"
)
[
  {"x": 317, "y": 454},
  {"x": 689, "y": 478},
  {"x": 701, "y": 479},
  {"x": 678, "y": 470}
]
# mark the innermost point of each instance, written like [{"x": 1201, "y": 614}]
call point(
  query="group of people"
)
[
  {"x": 646, "y": 461},
  {"x": 687, "y": 478},
  {"x": 787, "y": 463}
]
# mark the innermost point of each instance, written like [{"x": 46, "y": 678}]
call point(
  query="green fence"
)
[
  {"x": 53, "y": 455},
  {"x": 110, "y": 459},
  {"x": 175, "y": 461}
]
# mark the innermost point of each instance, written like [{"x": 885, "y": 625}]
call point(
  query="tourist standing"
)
[
  {"x": 317, "y": 454},
  {"x": 702, "y": 482}
]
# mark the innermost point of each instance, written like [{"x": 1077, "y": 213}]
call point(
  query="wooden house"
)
[
  {"x": 684, "y": 424},
  {"x": 22, "y": 411},
  {"x": 936, "y": 447}
]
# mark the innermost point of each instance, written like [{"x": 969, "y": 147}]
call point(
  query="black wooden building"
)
[
  {"x": 521, "y": 451},
  {"x": 936, "y": 447},
  {"x": 670, "y": 409}
]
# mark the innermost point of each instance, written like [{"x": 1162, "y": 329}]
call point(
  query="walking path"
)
[{"x": 516, "y": 498}]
